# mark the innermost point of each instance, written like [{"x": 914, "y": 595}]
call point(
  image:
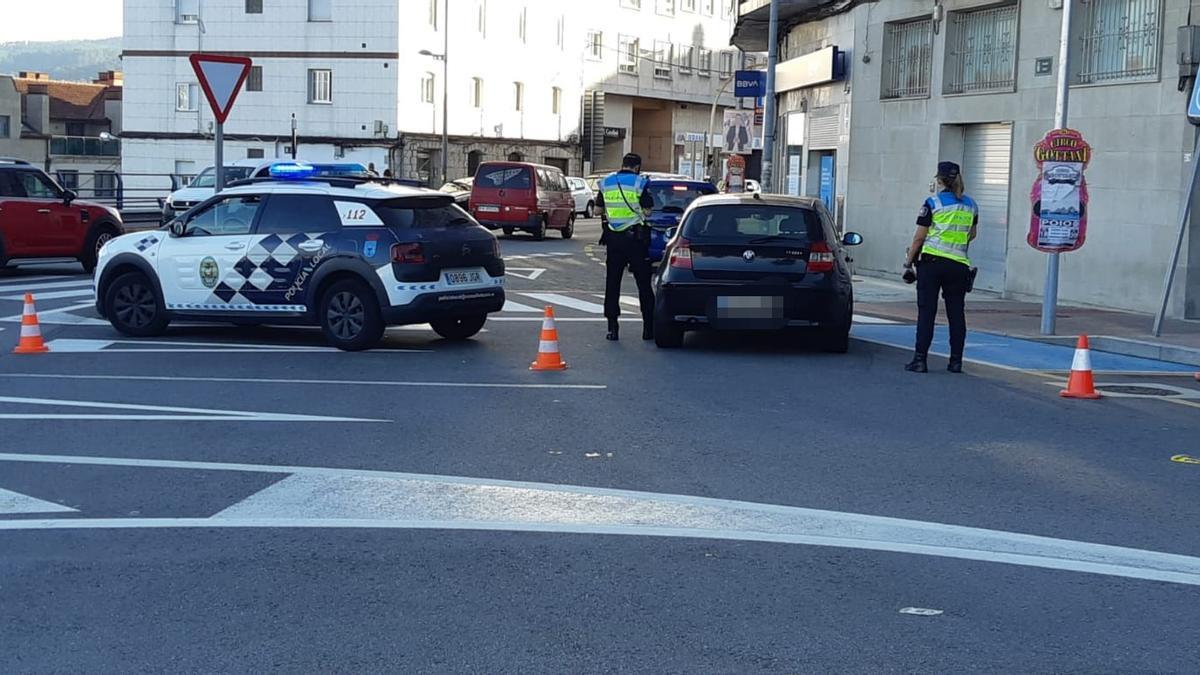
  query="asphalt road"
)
[{"x": 244, "y": 499}]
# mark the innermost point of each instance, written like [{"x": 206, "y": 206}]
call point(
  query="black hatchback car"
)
[{"x": 756, "y": 262}]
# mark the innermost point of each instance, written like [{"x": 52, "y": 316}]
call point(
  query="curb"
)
[{"x": 1128, "y": 347}]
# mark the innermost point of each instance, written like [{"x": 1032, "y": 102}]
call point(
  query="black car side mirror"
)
[
  {"x": 176, "y": 228},
  {"x": 671, "y": 232},
  {"x": 852, "y": 239},
  {"x": 68, "y": 196}
]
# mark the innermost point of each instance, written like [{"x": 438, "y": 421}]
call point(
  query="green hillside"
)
[{"x": 64, "y": 60}]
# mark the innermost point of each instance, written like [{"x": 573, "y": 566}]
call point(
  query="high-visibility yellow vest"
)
[
  {"x": 621, "y": 192},
  {"x": 950, "y": 234}
]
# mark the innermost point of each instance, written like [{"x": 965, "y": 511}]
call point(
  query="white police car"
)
[{"x": 351, "y": 255}]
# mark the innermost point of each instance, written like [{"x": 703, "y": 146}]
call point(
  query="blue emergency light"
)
[{"x": 292, "y": 171}]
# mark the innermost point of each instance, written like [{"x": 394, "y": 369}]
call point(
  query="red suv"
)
[
  {"x": 40, "y": 219},
  {"x": 513, "y": 196}
]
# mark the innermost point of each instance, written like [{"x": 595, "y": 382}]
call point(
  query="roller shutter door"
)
[{"x": 987, "y": 154}]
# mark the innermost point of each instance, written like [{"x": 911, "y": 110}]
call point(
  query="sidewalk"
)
[{"x": 1111, "y": 331}]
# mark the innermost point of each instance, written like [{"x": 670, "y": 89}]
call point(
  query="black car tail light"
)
[
  {"x": 820, "y": 257},
  {"x": 681, "y": 255}
]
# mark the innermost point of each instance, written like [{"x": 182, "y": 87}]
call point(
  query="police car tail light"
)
[
  {"x": 820, "y": 257},
  {"x": 408, "y": 254},
  {"x": 681, "y": 255}
]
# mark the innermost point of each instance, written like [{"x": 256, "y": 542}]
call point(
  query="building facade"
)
[
  {"x": 58, "y": 126},
  {"x": 355, "y": 79}
]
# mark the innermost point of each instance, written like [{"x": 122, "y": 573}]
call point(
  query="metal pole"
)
[
  {"x": 769, "y": 113},
  {"x": 445, "y": 91},
  {"x": 1050, "y": 295},
  {"x": 1185, "y": 210},
  {"x": 712, "y": 114},
  {"x": 219, "y": 142},
  {"x": 295, "y": 138}
]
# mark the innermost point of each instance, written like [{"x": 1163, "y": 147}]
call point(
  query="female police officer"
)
[{"x": 946, "y": 226}]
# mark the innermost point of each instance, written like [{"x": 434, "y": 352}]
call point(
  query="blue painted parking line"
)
[{"x": 1016, "y": 353}]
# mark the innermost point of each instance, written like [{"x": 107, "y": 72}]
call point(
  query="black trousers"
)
[
  {"x": 625, "y": 250},
  {"x": 951, "y": 278}
]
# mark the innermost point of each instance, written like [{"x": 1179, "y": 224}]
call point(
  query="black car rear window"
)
[
  {"x": 504, "y": 177},
  {"x": 675, "y": 197},
  {"x": 403, "y": 214},
  {"x": 739, "y": 222}
]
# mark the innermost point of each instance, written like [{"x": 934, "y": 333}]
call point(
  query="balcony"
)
[
  {"x": 753, "y": 19},
  {"x": 84, "y": 146}
]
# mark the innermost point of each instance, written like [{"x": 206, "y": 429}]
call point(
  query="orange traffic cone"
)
[
  {"x": 31, "y": 333},
  {"x": 1080, "y": 384},
  {"x": 548, "y": 357}
]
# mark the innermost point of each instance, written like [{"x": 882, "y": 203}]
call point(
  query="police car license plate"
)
[
  {"x": 462, "y": 278},
  {"x": 487, "y": 208}
]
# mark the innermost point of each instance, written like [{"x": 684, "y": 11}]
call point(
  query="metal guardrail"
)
[
  {"x": 84, "y": 146},
  {"x": 113, "y": 189}
]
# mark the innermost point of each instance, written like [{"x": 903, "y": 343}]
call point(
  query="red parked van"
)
[{"x": 513, "y": 196}]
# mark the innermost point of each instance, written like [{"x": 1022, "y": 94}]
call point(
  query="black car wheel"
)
[
  {"x": 539, "y": 233},
  {"x": 459, "y": 328},
  {"x": 133, "y": 307},
  {"x": 350, "y": 316},
  {"x": 835, "y": 334},
  {"x": 667, "y": 333},
  {"x": 569, "y": 230},
  {"x": 91, "y": 248}
]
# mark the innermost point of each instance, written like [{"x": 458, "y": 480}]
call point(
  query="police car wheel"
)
[
  {"x": 133, "y": 308},
  {"x": 459, "y": 328},
  {"x": 350, "y": 316}
]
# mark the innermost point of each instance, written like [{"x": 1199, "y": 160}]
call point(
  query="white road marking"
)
[
  {"x": 567, "y": 301},
  {"x": 860, "y": 318},
  {"x": 314, "y": 497},
  {"x": 36, "y": 288},
  {"x": 352, "y": 383},
  {"x": 56, "y": 310},
  {"x": 157, "y": 412},
  {"x": 547, "y": 254},
  {"x": 15, "y": 502},
  {"x": 530, "y": 273},
  {"x": 53, "y": 295},
  {"x": 510, "y": 306},
  {"x": 920, "y": 611},
  {"x": 76, "y": 345},
  {"x": 6, "y": 281}
]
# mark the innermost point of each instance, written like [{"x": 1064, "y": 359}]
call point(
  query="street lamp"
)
[{"x": 445, "y": 85}]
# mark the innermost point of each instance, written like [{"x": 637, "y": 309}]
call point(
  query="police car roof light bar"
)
[{"x": 292, "y": 171}]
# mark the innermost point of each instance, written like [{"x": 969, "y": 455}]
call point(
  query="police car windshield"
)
[
  {"x": 743, "y": 222},
  {"x": 208, "y": 177},
  {"x": 404, "y": 214},
  {"x": 676, "y": 196}
]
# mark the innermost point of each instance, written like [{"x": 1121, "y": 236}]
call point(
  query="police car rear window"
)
[
  {"x": 404, "y": 214},
  {"x": 504, "y": 177}
]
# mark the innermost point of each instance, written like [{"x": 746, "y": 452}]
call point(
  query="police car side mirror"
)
[
  {"x": 176, "y": 228},
  {"x": 852, "y": 239}
]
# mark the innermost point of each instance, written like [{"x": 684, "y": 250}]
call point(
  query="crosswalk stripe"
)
[
  {"x": 510, "y": 306},
  {"x": 52, "y": 295},
  {"x": 567, "y": 301},
  {"x": 6, "y": 282}
]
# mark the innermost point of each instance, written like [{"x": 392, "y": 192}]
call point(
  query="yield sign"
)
[{"x": 221, "y": 78}]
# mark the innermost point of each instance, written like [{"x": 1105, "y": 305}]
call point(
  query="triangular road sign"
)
[{"x": 221, "y": 78}]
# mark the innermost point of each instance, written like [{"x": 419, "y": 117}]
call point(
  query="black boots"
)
[
  {"x": 613, "y": 330},
  {"x": 647, "y": 330},
  {"x": 955, "y": 365},
  {"x": 917, "y": 365}
]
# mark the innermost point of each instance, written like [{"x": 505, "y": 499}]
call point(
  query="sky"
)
[{"x": 39, "y": 20}]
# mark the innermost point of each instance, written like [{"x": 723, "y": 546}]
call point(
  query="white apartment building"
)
[
  {"x": 973, "y": 81},
  {"x": 651, "y": 71},
  {"x": 352, "y": 74}
]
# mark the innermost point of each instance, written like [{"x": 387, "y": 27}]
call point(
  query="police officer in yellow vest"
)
[
  {"x": 626, "y": 202},
  {"x": 946, "y": 226}
]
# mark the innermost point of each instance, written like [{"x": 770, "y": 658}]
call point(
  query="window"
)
[
  {"x": 425, "y": 162},
  {"x": 402, "y": 215},
  {"x": 187, "y": 97},
  {"x": 522, "y": 23},
  {"x": 476, "y": 92},
  {"x": 69, "y": 179},
  {"x": 728, "y": 8},
  {"x": 481, "y": 17},
  {"x": 230, "y": 216},
  {"x": 707, "y": 7},
  {"x": 726, "y": 64},
  {"x": 254, "y": 6},
  {"x": 255, "y": 153},
  {"x": 560, "y": 31},
  {"x": 518, "y": 96},
  {"x": 688, "y": 5},
  {"x": 505, "y": 177},
  {"x": 981, "y": 50},
  {"x": 254, "y": 81},
  {"x": 666, "y": 7},
  {"x": 38, "y": 185},
  {"x": 907, "y": 49},
  {"x": 629, "y": 55},
  {"x": 684, "y": 57},
  {"x": 76, "y": 129},
  {"x": 662, "y": 59},
  {"x": 187, "y": 11},
  {"x": 1118, "y": 41},
  {"x": 105, "y": 184},
  {"x": 516, "y": 157},
  {"x": 556, "y": 101},
  {"x": 474, "y": 159},
  {"x": 595, "y": 45},
  {"x": 433, "y": 13},
  {"x": 320, "y": 10},
  {"x": 427, "y": 84},
  {"x": 290, "y": 214},
  {"x": 704, "y": 65},
  {"x": 5, "y": 126},
  {"x": 632, "y": 4},
  {"x": 741, "y": 222},
  {"x": 320, "y": 86}
]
